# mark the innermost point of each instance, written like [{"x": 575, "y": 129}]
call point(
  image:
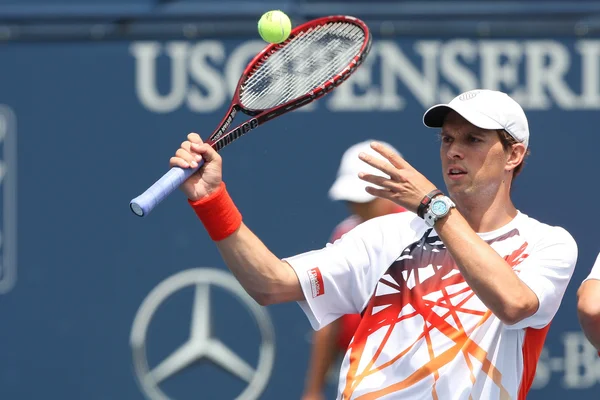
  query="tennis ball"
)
[{"x": 274, "y": 26}]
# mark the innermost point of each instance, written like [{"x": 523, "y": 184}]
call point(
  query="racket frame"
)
[{"x": 221, "y": 137}]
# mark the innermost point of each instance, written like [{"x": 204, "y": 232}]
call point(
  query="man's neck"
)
[{"x": 486, "y": 213}]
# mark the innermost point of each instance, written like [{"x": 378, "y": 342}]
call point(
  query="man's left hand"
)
[{"x": 404, "y": 185}]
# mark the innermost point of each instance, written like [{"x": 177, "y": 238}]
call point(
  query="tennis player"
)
[
  {"x": 588, "y": 305},
  {"x": 456, "y": 296},
  {"x": 331, "y": 342}
]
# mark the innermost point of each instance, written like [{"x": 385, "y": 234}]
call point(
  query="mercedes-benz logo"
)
[{"x": 201, "y": 345}]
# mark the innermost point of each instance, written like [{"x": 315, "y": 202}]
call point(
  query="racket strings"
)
[
  {"x": 291, "y": 80},
  {"x": 307, "y": 61}
]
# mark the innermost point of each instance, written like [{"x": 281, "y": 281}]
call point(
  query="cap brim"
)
[
  {"x": 435, "y": 116},
  {"x": 350, "y": 189}
]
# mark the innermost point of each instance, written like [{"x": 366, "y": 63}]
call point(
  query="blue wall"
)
[{"x": 91, "y": 135}]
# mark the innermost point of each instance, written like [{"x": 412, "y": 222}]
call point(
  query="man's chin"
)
[
  {"x": 456, "y": 189},
  {"x": 453, "y": 185}
]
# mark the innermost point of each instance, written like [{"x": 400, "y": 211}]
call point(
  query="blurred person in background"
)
[
  {"x": 456, "y": 297},
  {"x": 588, "y": 305},
  {"x": 332, "y": 341}
]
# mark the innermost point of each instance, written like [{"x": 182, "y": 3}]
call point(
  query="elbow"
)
[
  {"x": 588, "y": 308},
  {"x": 588, "y": 311},
  {"x": 514, "y": 313},
  {"x": 274, "y": 296},
  {"x": 276, "y": 288},
  {"x": 511, "y": 318},
  {"x": 263, "y": 299},
  {"x": 266, "y": 296}
]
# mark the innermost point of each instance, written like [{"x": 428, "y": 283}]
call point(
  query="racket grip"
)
[{"x": 144, "y": 203}]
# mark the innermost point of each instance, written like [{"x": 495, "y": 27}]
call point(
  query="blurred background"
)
[{"x": 95, "y": 96}]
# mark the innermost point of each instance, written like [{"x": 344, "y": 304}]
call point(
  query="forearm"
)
[
  {"x": 323, "y": 353},
  {"x": 490, "y": 277},
  {"x": 264, "y": 276},
  {"x": 588, "y": 309}
]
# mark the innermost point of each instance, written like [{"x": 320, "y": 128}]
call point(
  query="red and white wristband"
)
[{"x": 218, "y": 213}]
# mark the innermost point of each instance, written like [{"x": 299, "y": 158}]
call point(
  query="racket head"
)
[{"x": 317, "y": 56}]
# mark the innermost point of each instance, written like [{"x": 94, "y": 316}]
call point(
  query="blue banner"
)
[{"x": 97, "y": 303}]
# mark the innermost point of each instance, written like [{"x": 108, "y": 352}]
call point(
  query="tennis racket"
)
[{"x": 317, "y": 57}]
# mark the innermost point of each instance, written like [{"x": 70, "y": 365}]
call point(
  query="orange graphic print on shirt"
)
[{"x": 422, "y": 318}]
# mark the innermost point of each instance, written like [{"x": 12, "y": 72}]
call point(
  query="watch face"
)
[{"x": 439, "y": 208}]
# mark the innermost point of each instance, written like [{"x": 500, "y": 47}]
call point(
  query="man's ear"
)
[{"x": 515, "y": 156}]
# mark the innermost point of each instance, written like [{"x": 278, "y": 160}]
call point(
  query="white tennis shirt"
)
[{"x": 424, "y": 333}]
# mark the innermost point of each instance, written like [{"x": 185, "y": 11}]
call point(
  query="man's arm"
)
[
  {"x": 323, "y": 353},
  {"x": 588, "y": 310},
  {"x": 265, "y": 277},
  {"x": 487, "y": 273}
]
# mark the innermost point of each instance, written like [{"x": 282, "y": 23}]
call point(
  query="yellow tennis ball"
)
[{"x": 274, "y": 26}]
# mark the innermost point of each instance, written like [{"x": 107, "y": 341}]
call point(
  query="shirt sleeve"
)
[
  {"x": 595, "y": 273},
  {"x": 344, "y": 227},
  {"x": 340, "y": 278},
  {"x": 547, "y": 272}
]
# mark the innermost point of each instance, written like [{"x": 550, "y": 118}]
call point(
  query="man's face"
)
[{"x": 473, "y": 159}]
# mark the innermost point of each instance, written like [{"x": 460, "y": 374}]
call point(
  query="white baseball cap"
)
[
  {"x": 348, "y": 186},
  {"x": 486, "y": 109}
]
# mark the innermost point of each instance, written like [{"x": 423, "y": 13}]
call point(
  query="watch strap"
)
[
  {"x": 425, "y": 202},
  {"x": 430, "y": 218}
]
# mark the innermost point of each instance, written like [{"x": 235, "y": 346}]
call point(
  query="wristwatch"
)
[{"x": 438, "y": 208}]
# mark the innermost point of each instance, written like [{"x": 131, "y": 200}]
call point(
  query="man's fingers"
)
[
  {"x": 377, "y": 180},
  {"x": 383, "y": 193},
  {"x": 393, "y": 157},
  {"x": 194, "y": 138},
  {"x": 192, "y": 152},
  {"x": 383, "y": 165},
  {"x": 187, "y": 157},
  {"x": 178, "y": 162},
  {"x": 186, "y": 145},
  {"x": 206, "y": 152}
]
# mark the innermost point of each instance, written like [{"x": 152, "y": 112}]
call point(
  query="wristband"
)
[
  {"x": 217, "y": 212},
  {"x": 425, "y": 202}
]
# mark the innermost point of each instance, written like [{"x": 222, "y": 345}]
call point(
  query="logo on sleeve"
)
[{"x": 316, "y": 282}]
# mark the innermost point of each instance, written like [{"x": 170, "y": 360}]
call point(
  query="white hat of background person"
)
[
  {"x": 348, "y": 186},
  {"x": 486, "y": 109}
]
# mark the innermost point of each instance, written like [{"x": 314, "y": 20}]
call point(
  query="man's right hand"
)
[{"x": 208, "y": 178}]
